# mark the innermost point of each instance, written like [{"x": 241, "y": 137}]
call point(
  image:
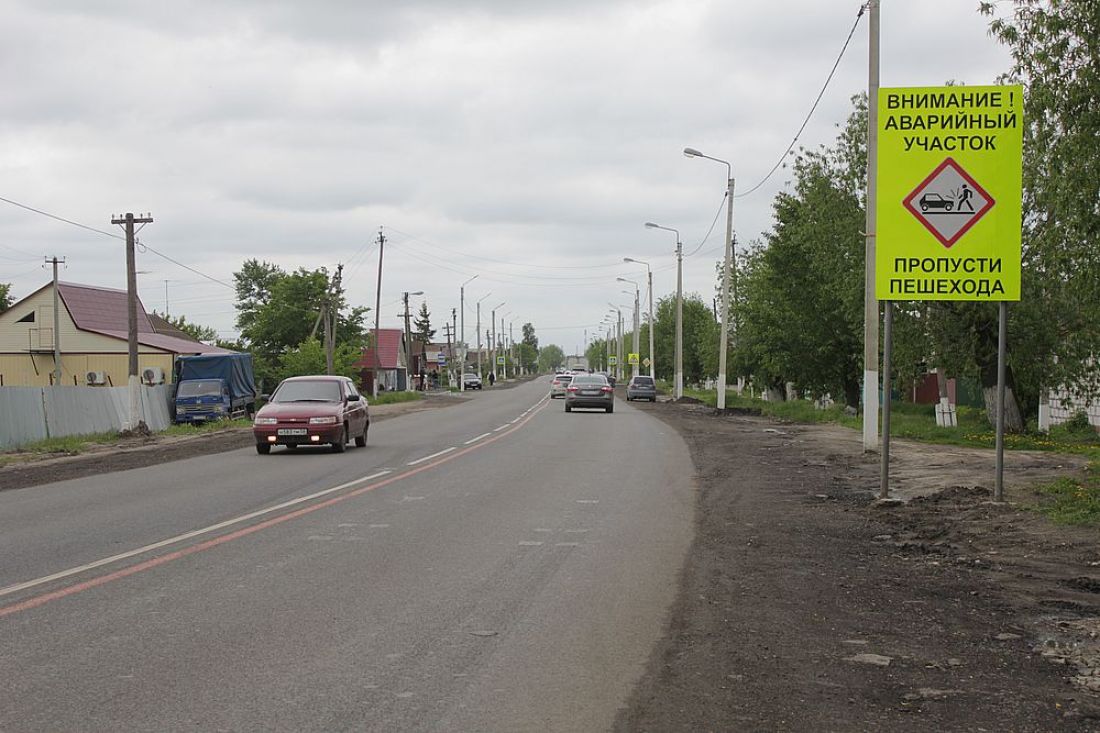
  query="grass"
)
[
  {"x": 1072, "y": 501},
  {"x": 206, "y": 427},
  {"x": 389, "y": 398},
  {"x": 918, "y": 422}
]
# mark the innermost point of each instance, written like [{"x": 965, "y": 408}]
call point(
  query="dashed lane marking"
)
[
  {"x": 443, "y": 452},
  {"x": 474, "y": 440}
]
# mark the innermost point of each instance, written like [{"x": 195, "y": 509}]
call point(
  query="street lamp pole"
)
[
  {"x": 649, "y": 277},
  {"x": 493, "y": 338},
  {"x": 727, "y": 272},
  {"x": 637, "y": 323},
  {"x": 678, "y": 382},
  {"x": 480, "y": 375},
  {"x": 461, "y": 341}
]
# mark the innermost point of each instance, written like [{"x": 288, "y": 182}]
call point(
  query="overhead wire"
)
[
  {"x": 114, "y": 235},
  {"x": 797, "y": 135},
  {"x": 498, "y": 261}
]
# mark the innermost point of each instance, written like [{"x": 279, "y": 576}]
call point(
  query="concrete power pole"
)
[
  {"x": 56, "y": 322},
  {"x": 378, "y": 316},
  {"x": 134, "y": 380},
  {"x": 330, "y": 313},
  {"x": 870, "y": 304},
  {"x": 456, "y": 347},
  {"x": 408, "y": 345}
]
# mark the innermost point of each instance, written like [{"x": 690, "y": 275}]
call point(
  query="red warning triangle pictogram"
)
[{"x": 949, "y": 202}]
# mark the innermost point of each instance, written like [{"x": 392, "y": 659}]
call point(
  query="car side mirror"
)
[
  {"x": 353, "y": 398},
  {"x": 265, "y": 397}
]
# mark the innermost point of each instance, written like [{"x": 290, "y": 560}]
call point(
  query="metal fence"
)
[{"x": 28, "y": 414}]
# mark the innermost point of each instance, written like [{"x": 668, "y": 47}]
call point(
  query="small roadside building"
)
[
  {"x": 383, "y": 360},
  {"x": 92, "y": 339}
]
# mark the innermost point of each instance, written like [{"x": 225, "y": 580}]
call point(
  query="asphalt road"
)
[{"x": 494, "y": 566}]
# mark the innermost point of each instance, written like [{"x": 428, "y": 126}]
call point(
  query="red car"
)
[{"x": 312, "y": 411}]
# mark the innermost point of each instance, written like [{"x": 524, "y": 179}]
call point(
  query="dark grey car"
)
[
  {"x": 641, "y": 388},
  {"x": 590, "y": 390}
]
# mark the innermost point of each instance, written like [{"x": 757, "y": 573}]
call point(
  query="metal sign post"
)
[{"x": 949, "y": 212}]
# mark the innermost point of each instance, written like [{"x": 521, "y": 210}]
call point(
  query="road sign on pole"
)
[
  {"x": 612, "y": 360},
  {"x": 949, "y": 193},
  {"x": 949, "y": 209},
  {"x": 632, "y": 359},
  {"x": 646, "y": 361},
  {"x": 500, "y": 360}
]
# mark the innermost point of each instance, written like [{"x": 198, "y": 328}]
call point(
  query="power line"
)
[
  {"x": 806, "y": 121},
  {"x": 113, "y": 235},
  {"x": 721, "y": 205},
  {"x": 498, "y": 261}
]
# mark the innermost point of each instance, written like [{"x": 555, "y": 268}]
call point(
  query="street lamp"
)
[
  {"x": 727, "y": 270},
  {"x": 678, "y": 382},
  {"x": 462, "y": 341},
  {"x": 652, "y": 356},
  {"x": 408, "y": 340},
  {"x": 493, "y": 338},
  {"x": 504, "y": 348},
  {"x": 637, "y": 322},
  {"x": 479, "y": 373}
]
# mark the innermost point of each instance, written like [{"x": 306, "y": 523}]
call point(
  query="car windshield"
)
[
  {"x": 308, "y": 391},
  {"x": 200, "y": 388},
  {"x": 591, "y": 380}
]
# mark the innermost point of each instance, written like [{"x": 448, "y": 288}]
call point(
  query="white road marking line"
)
[
  {"x": 474, "y": 440},
  {"x": 530, "y": 544},
  {"x": 502, "y": 427},
  {"x": 181, "y": 537},
  {"x": 443, "y": 452},
  {"x": 516, "y": 420},
  {"x": 575, "y": 531},
  {"x": 567, "y": 544},
  {"x": 378, "y": 526},
  {"x": 588, "y": 501}
]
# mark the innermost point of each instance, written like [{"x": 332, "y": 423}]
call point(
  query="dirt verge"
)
[{"x": 805, "y": 605}]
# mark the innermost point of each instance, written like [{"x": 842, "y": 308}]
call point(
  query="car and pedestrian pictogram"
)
[{"x": 935, "y": 201}]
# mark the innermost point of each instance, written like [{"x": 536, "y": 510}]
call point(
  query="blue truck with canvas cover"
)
[{"x": 214, "y": 387}]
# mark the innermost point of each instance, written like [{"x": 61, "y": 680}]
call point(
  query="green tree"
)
[
  {"x": 529, "y": 336},
  {"x": 1055, "y": 327},
  {"x": 278, "y": 311},
  {"x": 527, "y": 355},
  {"x": 309, "y": 358},
  {"x": 422, "y": 324},
  {"x": 700, "y": 351},
  {"x": 194, "y": 330},
  {"x": 596, "y": 355},
  {"x": 551, "y": 357},
  {"x": 5, "y": 297}
]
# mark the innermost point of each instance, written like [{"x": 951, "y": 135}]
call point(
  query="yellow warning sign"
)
[
  {"x": 632, "y": 359},
  {"x": 949, "y": 193}
]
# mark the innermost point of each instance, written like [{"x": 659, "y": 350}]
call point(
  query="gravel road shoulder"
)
[{"x": 804, "y": 605}]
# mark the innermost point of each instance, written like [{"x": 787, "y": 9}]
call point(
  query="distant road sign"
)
[
  {"x": 500, "y": 360},
  {"x": 949, "y": 193},
  {"x": 646, "y": 361},
  {"x": 441, "y": 358},
  {"x": 632, "y": 359},
  {"x": 612, "y": 361}
]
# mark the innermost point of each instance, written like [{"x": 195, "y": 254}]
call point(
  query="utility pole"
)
[
  {"x": 637, "y": 332},
  {"x": 166, "y": 300},
  {"x": 451, "y": 351},
  {"x": 377, "y": 317},
  {"x": 870, "y": 304},
  {"x": 133, "y": 381},
  {"x": 447, "y": 331},
  {"x": 678, "y": 389},
  {"x": 56, "y": 322},
  {"x": 408, "y": 345},
  {"x": 330, "y": 320}
]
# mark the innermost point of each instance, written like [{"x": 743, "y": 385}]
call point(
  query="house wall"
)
[
  {"x": 36, "y": 369},
  {"x": 26, "y": 349}
]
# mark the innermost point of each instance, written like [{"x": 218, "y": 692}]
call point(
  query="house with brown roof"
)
[
  {"x": 92, "y": 337},
  {"x": 384, "y": 360}
]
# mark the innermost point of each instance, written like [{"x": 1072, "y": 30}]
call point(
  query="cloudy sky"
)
[{"x": 522, "y": 141}]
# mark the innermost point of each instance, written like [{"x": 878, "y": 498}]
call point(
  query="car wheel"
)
[
  {"x": 263, "y": 448},
  {"x": 568, "y": 408},
  {"x": 610, "y": 408},
  {"x": 341, "y": 444},
  {"x": 361, "y": 440},
  {"x": 950, "y": 206},
  {"x": 924, "y": 207},
  {"x": 652, "y": 399}
]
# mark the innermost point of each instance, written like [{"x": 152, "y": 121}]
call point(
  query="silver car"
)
[
  {"x": 590, "y": 390},
  {"x": 559, "y": 385},
  {"x": 641, "y": 388}
]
